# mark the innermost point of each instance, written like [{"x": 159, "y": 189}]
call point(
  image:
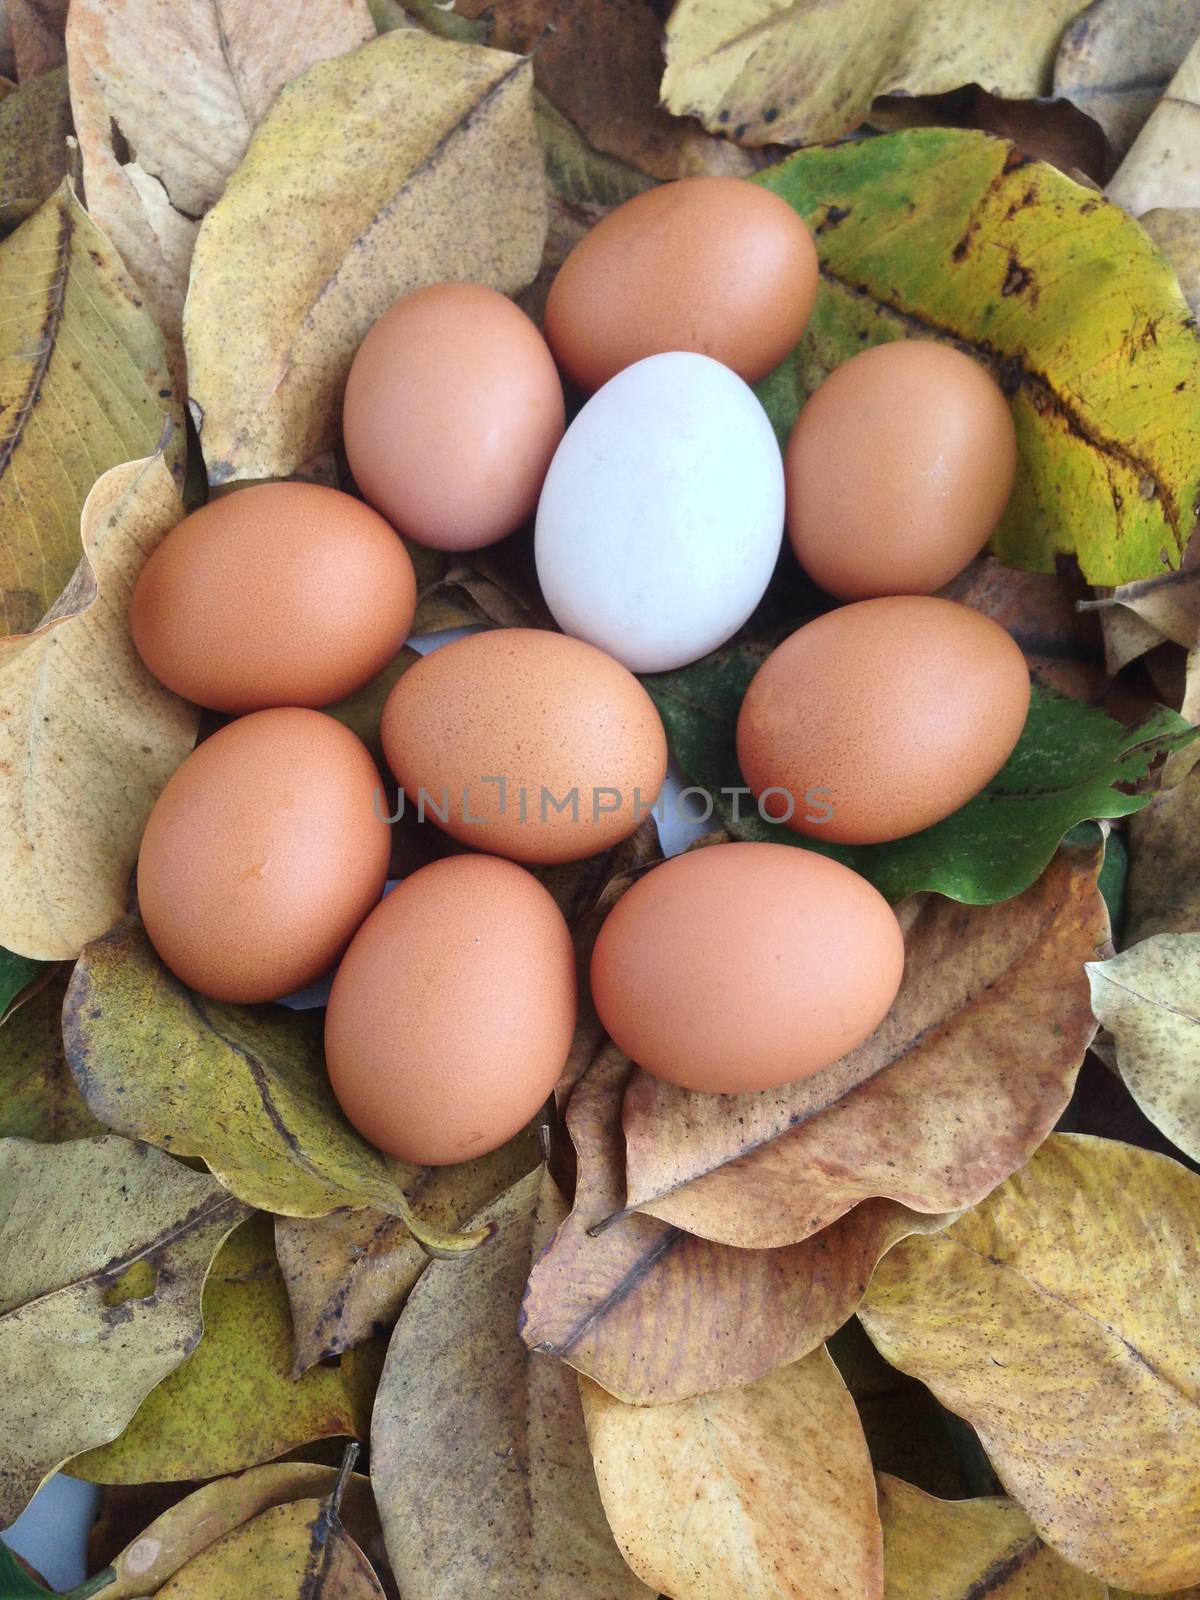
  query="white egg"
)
[{"x": 661, "y": 516}]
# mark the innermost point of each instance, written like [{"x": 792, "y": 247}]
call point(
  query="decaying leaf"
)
[
  {"x": 1162, "y": 168},
  {"x": 84, "y": 386},
  {"x": 1073, "y": 763},
  {"x": 997, "y": 254},
  {"x": 38, "y": 1097},
  {"x": 759, "y": 72},
  {"x": 1164, "y": 864},
  {"x": 960, "y": 1549},
  {"x": 195, "y": 1523},
  {"x": 1059, "y": 1318},
  {"x": 234, "y": 1403},
  {"x": 348, "y": 1274},
  {"x": 478, "y": 1454},
  {"x": 165, "y": 97},
  {"x": 763, "y": 1493},
  {"x": 654, "y": 1314},
  {"x": 34, "y": 123},
  {"x": 1148, "y": 998},
  {"x": 88, "y": 737},
  {"x": 407, "y": 162},
  {"x": 37, "y": 34},
  {"x": 104, "y": 1249},
  {"x": 952, "y": 1092},
  {"x": 1176, "y": 232}
]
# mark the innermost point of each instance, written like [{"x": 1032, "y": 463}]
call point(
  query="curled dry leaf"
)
[
  {"x": 960, "y": 1549},
  {"x": 1164, "y": 864},
  {"x": 38, "y": 1097},
  {"x": 755, "y": 70},
  {"x": 88, "y": 737},
  {"x": 34, "y": 123},
  {"x": 1162, "y": 168},
  {"x": 995, "y": 253},
  {"x": 348, "y": 1274},
  {"x": 1059, "y": 1318},
  {"x": 409, "y": 161},
  {"x": 1149, "y": 1000},
  {"x": 953, "y": 1091},
  {"x": 165, "y": 97},
  {"x": 85, "y": 386},
  {"x": 189, "y": 1527},
  {"x": 762, "y": 1493},
  {"x": 104, "y": 1249},
  {"x": 234, "y": 1402},
  {"x": 479, "y": 1459},
  {"x": 654, "y": 1314}
]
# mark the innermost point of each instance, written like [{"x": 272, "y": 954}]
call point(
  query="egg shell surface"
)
[
  {"x": 526, "y": 743},
  {"x": 898, "y": 469},
  {"x": 736, "y": 967},
  {"x": 716, "y": 265},
  {"x": 282, "y": 594},
  {"x": 453, "y": 1011},
  {"x": 896, "y": 711},
  {"x": 662, "y": 514},
  {"x": 263, "y": 854},
  {"x": 453, "y": 410}
]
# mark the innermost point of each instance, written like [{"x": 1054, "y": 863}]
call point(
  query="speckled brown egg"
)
[
  {"x": 718, "y": 266},
  {"x": 453, "y": 409},
  {"x": 284, "y": 594},
  {"x": 263, "y": 854},
  {"x": 452, "y": 1013},
  {"x": 526, "y": 743},
  {"x": 881, "y": 718},
  {"x": 898, "y": 469},
  {"x": 741, "y": 966}
]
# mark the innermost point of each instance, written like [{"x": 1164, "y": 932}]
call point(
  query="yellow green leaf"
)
[
  {"x": 104, "y": 1249},
  {"x": 998, "y": 254},
  {"x": 1059, "y": 1319},
  {"x": 38, "y": 1097},
  {"x": 89, "y": 737},
  {"x": 1148, "y": 998},
  {"x": 234, "y": 1402},
  {"x": 407, "y": 162},
  {"x": 762, "y": 73},
  {"x": 762, "y": 1493},
  {"x": 83, "y": 386}
]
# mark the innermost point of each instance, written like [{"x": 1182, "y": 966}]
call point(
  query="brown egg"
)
[
  {"x": 526, "y": 743},
  {"x": 743, "y": 966},
  {"x": 453, "y": 410},
  {"x": 880, "y": 718},
  {"x": 452, "y": 1013},
  {"x": 719, "y": 266},
  {"x": 285, "y": 594},
  {"x": 898, "y": 469},
  {"x": 263, "y": 854}
]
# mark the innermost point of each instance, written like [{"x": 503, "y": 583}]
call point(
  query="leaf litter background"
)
[{"x": 922, "y": 1327}]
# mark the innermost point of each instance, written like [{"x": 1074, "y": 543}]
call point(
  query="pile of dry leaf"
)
[{"x": 922, "y": 1326}]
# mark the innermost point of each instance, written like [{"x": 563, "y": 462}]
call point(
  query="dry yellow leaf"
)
[
  {"x": 1164, "y": 864},
  {"x": 769, "y": 70},
  {"x": 1059, "y": 1318},
  {"x": 165, "y": 96},
  {"x": 87, "y": 737},
  {"x": 965, "y": 1549},
  {"x": 410, "y": 161},
  {"x": 1163, "y": 166},
  {"x": 762, "y": 1493}
]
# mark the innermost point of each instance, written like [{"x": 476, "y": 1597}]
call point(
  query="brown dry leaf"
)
[
  {"x": 1117, "y": 58},
  {"x": 38, "y": 1097},
  {"x": 1176, "y": 232},
  {"x": 87, "y": 737},
  {"x": 1162, "y": 167},
  {"x": 35, "y": 121},
  {"x": 963, "y": 1079},
  {"x": 966, "y": 1549},
  {"x": 1163, "y": 893},
  {"x": 654, "y": 1314},
  {"x": 762, "y": 1493},
  {"x": 410, "y": 161},
  {"x": 37, "y": 35},
  {"x": 479, "y": 1459},
  {"x": 1059, "y": 1319},
  {"x": 761, "y": 72},
  {"x": 348, "y": 1274},
  {"x": 166, "y": 94}
]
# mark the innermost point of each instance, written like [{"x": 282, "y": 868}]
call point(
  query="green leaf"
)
[
  {"x": 16, "y": 973},
  {"x": 38, "y": 1097},
  {"x": 950, "y": 234},
  {"x": 1072, "y": 764}
]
